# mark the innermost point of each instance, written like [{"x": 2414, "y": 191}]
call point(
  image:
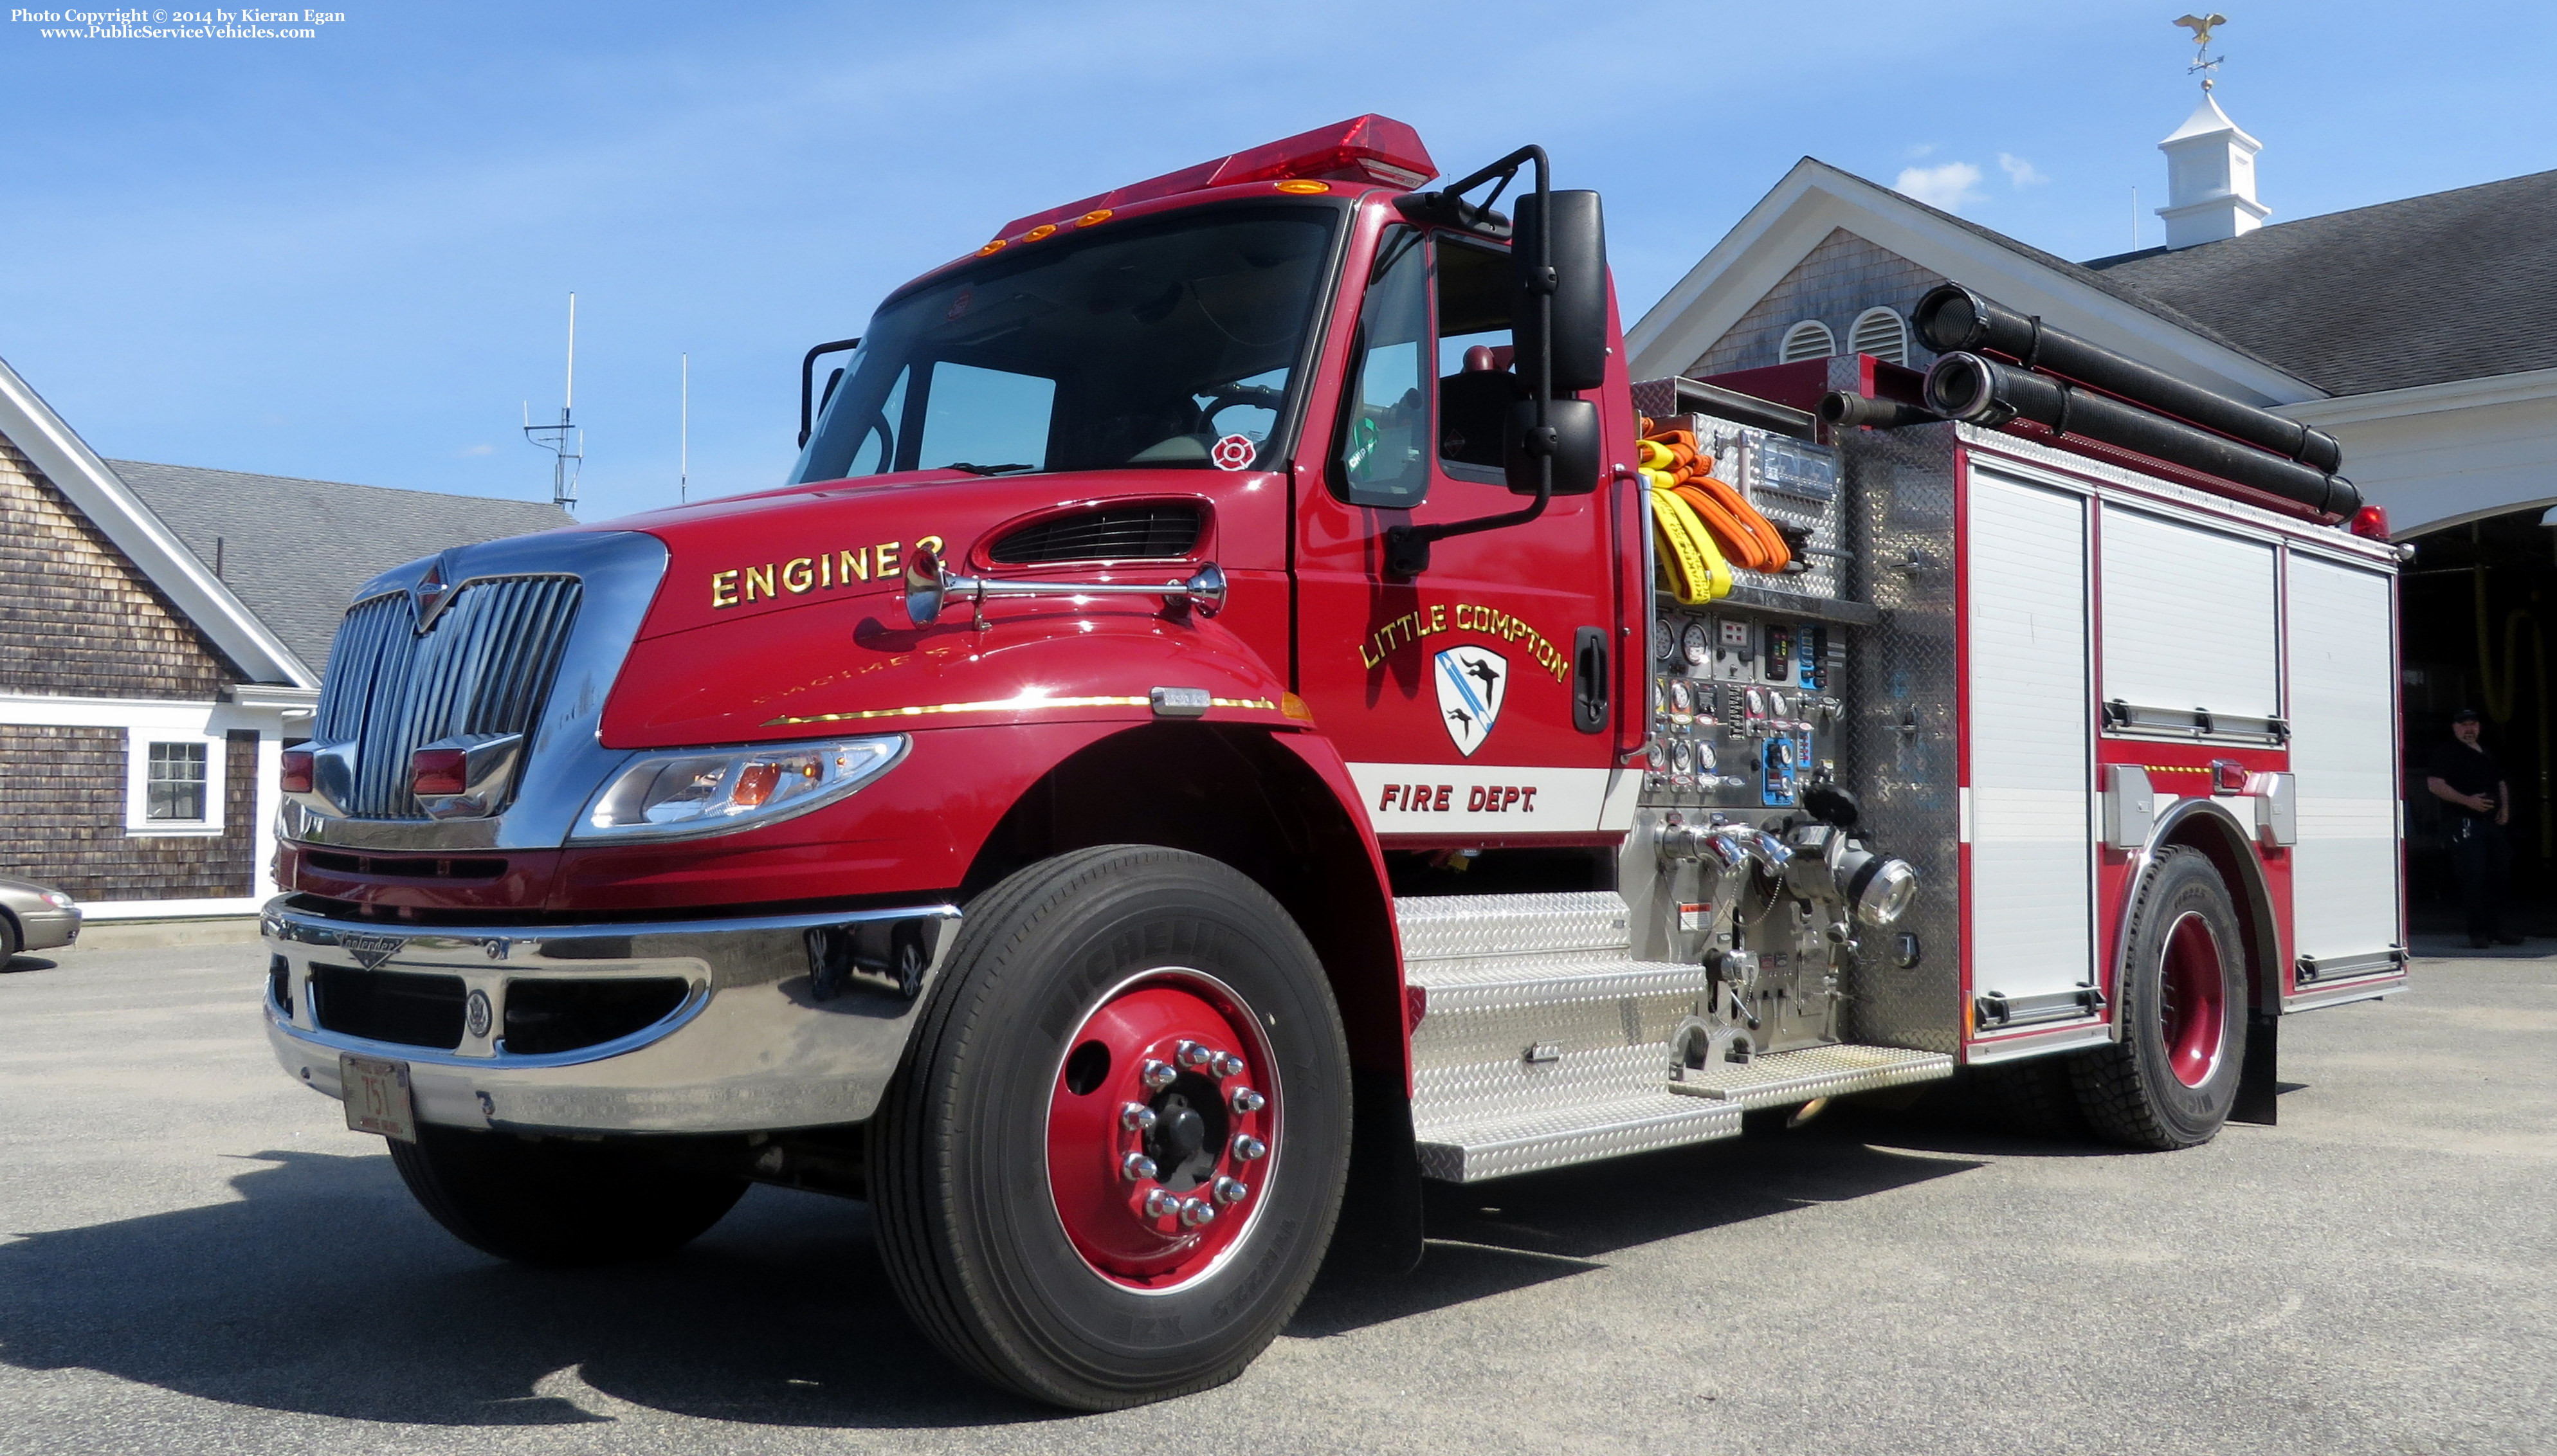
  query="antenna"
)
[
  {"x": 2201, "y": 24},
  {"x": 564, "y": 442},
  {"x": 684, "y": 437}
]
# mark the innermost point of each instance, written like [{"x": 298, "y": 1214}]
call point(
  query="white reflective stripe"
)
[
  {"x": 2037, "y": 816},
  {"x": 2350, "y": 819},
  {"x": 1480, "y": 798}
]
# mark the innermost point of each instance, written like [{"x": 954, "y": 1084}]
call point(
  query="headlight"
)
[
  {"x": 672, "y": 795},
  {"x": 58, "y": 900}
]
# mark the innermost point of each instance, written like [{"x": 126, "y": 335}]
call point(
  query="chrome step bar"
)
[{"x": 1542, "y": 1042}]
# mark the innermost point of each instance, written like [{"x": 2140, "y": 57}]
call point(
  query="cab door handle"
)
[{"x": 1590, "y": 680}]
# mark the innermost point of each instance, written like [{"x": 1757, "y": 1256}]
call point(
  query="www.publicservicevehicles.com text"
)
[{"x": 178, "y": 25}]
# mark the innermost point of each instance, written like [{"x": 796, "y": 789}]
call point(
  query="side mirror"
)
[
  {"x": 1573, "y": 426},
  {"x": 1578, "y": 264}
]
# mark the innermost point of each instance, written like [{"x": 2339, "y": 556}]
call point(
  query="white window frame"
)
[
  {"x": 137, "y": 783},
  {"x": 1785, "y": 341},
  {"x": 1898, "y": 323}
]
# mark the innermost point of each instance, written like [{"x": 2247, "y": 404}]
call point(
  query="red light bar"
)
[
  {"x": 439, "y": 771},
  {"x": 294, "y": 777},
  {"x": 2371, "y": 523},
  {"x": 1362, "y": 149}
]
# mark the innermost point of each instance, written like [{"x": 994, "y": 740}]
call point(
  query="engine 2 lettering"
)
[{"x": 823, "y": 571}]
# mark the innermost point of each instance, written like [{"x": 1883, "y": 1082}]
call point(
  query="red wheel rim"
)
[
  {"x": 2193, "y": 1007},
  {"x": 1162, "y": 1130}
]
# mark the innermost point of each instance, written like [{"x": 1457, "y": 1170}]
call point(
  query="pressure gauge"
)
[
  {"x": 1682, "y": 701},
  {"x": 1681, "y": 755},
  {"x": 1660, "y": 696},
  {"x": 1664, "y": 640},
  {"x": 1776, "y": 706},
  {"x": 1704, "y": 759},
  {"x": 1695, "y": 644}
]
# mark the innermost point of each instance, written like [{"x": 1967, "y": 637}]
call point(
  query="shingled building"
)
[{"x": 161, "y": 634}]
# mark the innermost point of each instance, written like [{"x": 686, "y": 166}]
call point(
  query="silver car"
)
[{"x": 34, "y": 917}]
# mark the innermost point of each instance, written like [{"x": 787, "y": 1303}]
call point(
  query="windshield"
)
[{"x": 1142, "y": 346}]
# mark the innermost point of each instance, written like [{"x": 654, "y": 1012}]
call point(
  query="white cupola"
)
[{"x": 2210, "y": 179}]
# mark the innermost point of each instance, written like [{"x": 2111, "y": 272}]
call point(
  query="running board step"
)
[
  {"x": 1778, "y": 1078},
  {"x": 1451, "y": 927},
  {"x": 1572, "y": 1135}
]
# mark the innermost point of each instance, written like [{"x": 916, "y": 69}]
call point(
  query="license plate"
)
[{"x": 377, "y": 1096}]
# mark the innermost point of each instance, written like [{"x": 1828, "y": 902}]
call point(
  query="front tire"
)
[
  {"x": 1107, "y": 1170},
  {"x": 556, "y": 1203},
  {"x": 2172, "y": 1078}
]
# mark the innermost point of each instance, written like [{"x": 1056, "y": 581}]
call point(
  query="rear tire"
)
[
  {"x": 556, "y": 1203},
  {"x": 1012, "y": 1168},
  {"x": 2172, "y": 1078}
]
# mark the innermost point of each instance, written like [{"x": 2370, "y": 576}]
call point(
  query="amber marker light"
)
[
  {"x": 1040, "y": 231},
  {"x": 997, "y": 246},
  {"x": 1093, "y": 218},
  {"x": 294, "y": 776},
  {"x": 1303, "y": 185}
]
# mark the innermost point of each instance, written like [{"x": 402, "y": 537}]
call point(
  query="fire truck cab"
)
[{"x": 1244, "y": 705}]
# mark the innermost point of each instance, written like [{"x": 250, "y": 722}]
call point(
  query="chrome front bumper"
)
[{"x": 761, "y": 1041}]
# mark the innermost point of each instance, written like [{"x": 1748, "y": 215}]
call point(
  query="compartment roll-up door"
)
[
  {"x": 2343, "y": 754},
  {"x": 2030, "y": 730},
  {"x": 2188, "y": 618}
]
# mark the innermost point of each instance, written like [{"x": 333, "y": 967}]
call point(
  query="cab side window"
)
[
  {"x": 1382, "y": 456},
  {"x": 1477, "y": 376}
]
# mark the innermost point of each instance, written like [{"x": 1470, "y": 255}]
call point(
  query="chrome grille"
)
[{"x": 484, "y": 667}]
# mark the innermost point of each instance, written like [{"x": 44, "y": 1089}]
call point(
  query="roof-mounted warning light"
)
[{"x": 1371, "y": 149}]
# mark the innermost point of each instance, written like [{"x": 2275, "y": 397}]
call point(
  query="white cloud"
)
[
  {"x": 2019, "y": 171},
  {"x": 1922, "y": 149},
  {"x": 1947, "y": 186},
  {"x": 480, "y": 449}
]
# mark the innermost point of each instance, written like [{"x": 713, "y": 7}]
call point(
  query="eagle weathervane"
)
[{"x": 2202, "y": 25}]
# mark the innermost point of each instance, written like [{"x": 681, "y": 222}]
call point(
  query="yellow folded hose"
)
[
  {"x": 1744, "y": 534},
  {"x": 1696, "y": 570}
]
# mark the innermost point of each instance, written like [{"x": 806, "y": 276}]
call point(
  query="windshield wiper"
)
[{"x": 977, "y": 470}]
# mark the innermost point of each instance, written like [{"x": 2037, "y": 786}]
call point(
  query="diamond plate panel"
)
[
  {"x": 1483, "y": 1092},
  {"x": 1579, "y": 1135},
  {"x": 1897, "y": 748},
  {"x": 1444, "y": 927},
  {"x": 1821, "y": 1071},
  {"x": 1495, "y": 1023}
]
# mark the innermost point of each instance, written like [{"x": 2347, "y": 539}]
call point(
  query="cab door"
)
[{"x": 1452, "y": 694}]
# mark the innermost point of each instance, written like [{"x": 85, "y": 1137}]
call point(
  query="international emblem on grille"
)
[
  {"x": 370, "y": 951},
  {"x": 1473, "y": 681},
  {"x": 432, "y": 592}
]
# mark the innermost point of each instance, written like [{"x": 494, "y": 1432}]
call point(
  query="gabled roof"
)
[
  {"x": 189, "y": 585},
  {"x": 2455, "y": 285},
  {"x": 1814, "y": 199},
  {"x": 295, "y": 551}
]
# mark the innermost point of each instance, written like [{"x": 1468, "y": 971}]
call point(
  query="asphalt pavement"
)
[{"x": 197, "y": 1258}]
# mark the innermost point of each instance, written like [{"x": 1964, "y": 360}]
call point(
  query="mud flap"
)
[
  {"x": 1380, "y": 1229},
  {"x": 2259, "y": 1092}
]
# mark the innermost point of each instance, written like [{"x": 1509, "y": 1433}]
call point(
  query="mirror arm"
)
[
  {"x": 1406, "y": 547},
  {"x": 808, "y": 384}
]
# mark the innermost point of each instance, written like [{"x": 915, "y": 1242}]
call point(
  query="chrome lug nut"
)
[
  {"x": 1231, "y": 1190},
  {"x": 1228, "y": 1065},
  {"x": 1197, "y": 1211},
  {"x": 1248, "y": 1147},
  {"x": 1192, "y": 1054},
  {"x": 1137, "y": 1166},
  {"x": 1161, "y": 1205},
  {"x": 1136, "y": 1117},
  {"x": 1159, "y": 1075},
  {"x": 1244, "y": 1100}
]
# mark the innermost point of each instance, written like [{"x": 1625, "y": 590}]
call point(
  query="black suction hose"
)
[
  {"x": 1954, "y": 319},
  {"x": 1839, "y": 408},
  {"x": 1985, "y": 392}
]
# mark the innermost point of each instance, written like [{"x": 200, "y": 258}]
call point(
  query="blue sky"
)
[{"x": 347, "y": 257}]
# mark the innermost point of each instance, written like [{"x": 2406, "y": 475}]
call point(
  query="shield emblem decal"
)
[{"x": 1473, "y": 681}]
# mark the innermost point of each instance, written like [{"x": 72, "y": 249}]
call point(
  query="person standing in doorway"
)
[{"x": 2478, "y": 803}]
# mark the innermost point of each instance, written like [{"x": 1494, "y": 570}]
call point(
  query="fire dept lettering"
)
[
  {"x": 1442, "y": 798},
  {"x": 1463, "y": 617},
  {"x": 801, "y": 575}
]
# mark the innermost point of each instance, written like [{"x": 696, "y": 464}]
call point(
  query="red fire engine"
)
[{"x": 1244, "y": 705}]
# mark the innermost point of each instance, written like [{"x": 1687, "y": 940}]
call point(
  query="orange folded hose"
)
[{"x": 1748, "y": 537}]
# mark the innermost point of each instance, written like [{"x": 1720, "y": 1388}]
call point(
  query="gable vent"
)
[
  {"x": 1881, "y": 334},
  {"x": 1124, "y": 533},
  {"x": 1809, "y": 339}
]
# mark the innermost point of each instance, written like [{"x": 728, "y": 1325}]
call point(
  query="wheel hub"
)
[
  {"x": 2193, "y": 1005},
  {"x": 1162, "y": 1129}
]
